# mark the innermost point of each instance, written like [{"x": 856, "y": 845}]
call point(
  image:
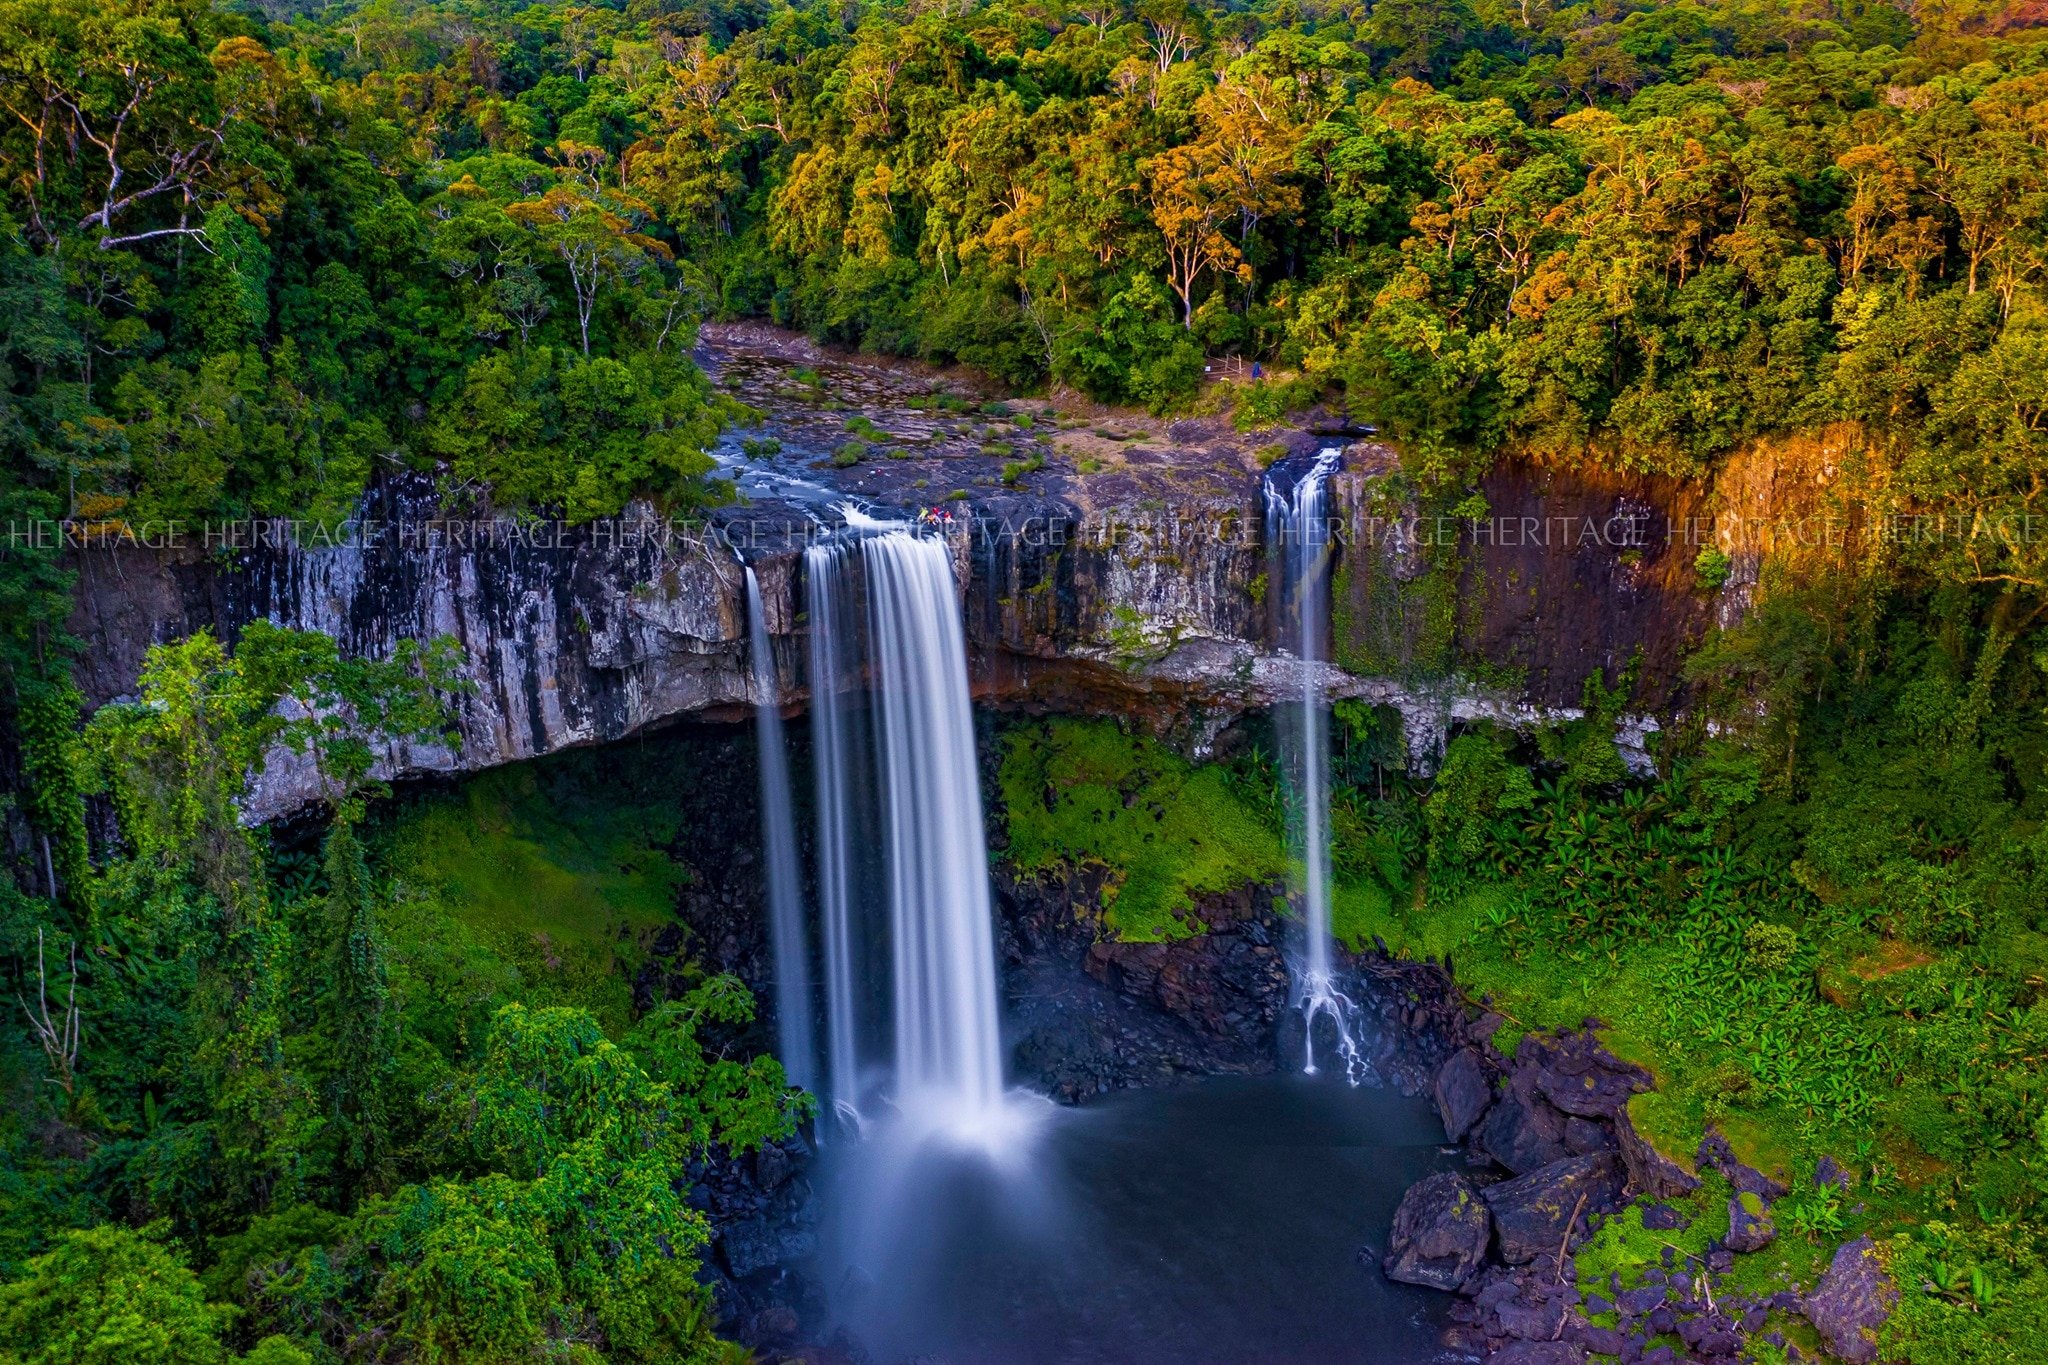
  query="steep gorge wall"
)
[{"x": 1146, "y": 607}]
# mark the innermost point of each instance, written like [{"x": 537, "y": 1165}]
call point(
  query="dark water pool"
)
[{"x": 1220, "y": 1221}]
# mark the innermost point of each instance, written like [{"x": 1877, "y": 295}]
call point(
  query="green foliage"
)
[
  {"x": 1475, "y": 785},
  {"x": 546, "y": 874},
  {"x": 1971, "y": 1296},
  {"x": 1137, "y": 352},
  {"x": 1711, "y": 567},
  {"x": 1623, "y": 1246},
  {"x": 110, "y": 1296},
  {"x": 329, "y": 1078},
  {"x": 1081, "y": 794}
]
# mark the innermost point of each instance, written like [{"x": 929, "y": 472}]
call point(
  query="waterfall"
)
[
  {"x": 899, "y": 810},
  {"x": 1298, "y": 540},
  {"x": 778, "y": 827},
  {"x": 833, "y": 660},
  {"x": 948, "y": 1050}
]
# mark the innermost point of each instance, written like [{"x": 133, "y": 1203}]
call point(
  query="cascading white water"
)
[
  {"x": 899, "y": 806},
  {"x": 796, "y": 1034},
  {"x": 1298, "y": 540},
  {"x": 832, "y": 660},
  {"x": 948, "y": 1049}
]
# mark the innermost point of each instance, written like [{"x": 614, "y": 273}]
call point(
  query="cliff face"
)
[{"x": 1126, "y": 575}]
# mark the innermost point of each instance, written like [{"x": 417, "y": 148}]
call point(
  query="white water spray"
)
[
  {"x": 795, "y": 1033},
  {"x": 1298, "y": 538}
]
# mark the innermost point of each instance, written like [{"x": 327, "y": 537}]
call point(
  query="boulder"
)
[
  {"x": 1649, "y": 1170},
  {"x": 1601, "y": 1341},
  {"x": 1440, "y": 1233},
  {"x": 1522, "y": 1131},
  {"x": 1534, "y": 1214},
  {"x": 1539, "y": 1353},
  {"x": 1851, "y": 1302},
  {"x": 1715, "y": 1154},
  {"x": 1579, "y": 1076},
  {"x": 1749, "y": 1222},
  {"x": 1462, "y": 1092}
]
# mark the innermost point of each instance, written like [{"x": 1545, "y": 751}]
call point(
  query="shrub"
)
[
  {"x": 111, "y": 1295},
  {"x": 1711, "y": 567}
]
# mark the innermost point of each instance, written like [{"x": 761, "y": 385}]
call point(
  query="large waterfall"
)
[
  {"x": 899, "y": 807},
  {"x": 1298, "y": 539},
  {"x": 948, "y": 1052},
  {"x": 793, "y": 1004}
]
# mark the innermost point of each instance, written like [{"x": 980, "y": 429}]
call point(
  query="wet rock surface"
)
[
  {"x": 1440, "y": 1233},
  {"x": 1539, "y": 1213}
]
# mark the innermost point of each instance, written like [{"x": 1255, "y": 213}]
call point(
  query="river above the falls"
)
[{"x": 1222, "y": 1220}]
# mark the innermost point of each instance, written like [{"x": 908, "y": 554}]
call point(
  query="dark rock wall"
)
[{"x": 1153, "y": 608}]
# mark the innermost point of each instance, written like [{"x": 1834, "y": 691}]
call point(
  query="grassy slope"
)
[
  {"x": 541, "y": 881},
  {"x": 1084, "y": 794}
]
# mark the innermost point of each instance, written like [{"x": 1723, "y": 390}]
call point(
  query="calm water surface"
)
[{"x": 1219, "y": 1221}]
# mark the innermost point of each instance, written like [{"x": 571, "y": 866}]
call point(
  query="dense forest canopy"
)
[{"x": 251, "y": 259}]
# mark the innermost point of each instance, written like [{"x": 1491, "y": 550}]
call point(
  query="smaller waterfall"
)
[
  {"x": 796, "y": 1035},
  {"x": 1298, "y": 539},
  {"x": 833, "y": 754}
]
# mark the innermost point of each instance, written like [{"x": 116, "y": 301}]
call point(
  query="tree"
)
[
  {"x": 597, "y": 239},
  {"x": 1192, "y": 196},
  {"x": 126, "y": 99},
  {"x": 179, "y": 761},
  {"x": 586, "y": 1153}
]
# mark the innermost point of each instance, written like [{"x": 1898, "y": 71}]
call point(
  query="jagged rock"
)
[
  {"x": 1539, "y": 1353},
  {"x": 1664, "y": 1218},
  {"x": 1640, "y": 1300},
  {"x": 1830, "y": 1172},
  {"x": 1749, "y": 1222},
  {"x": 1535, "y": 1213},
  {"x": 1440, "y": 1233},
  {"x": 1582, "y": 1136},
  {"x": 1601, "y": 1341},
  {"x": 1579, "y": 1076},
  {"x": 1540, "y": 1321},
  {"x": 1715, "y": 1154},
  {"x": 1220, "y": 985},
  {"x": 1522, "y": 1131},
  {"x": 1851, "y": 1302},
  {"x": 1649, "y": 1170},
  {"x": 759, "y": 1243},
  {"x": 772, "y": 1166},
  {"x": 1462, "y": 1092}
]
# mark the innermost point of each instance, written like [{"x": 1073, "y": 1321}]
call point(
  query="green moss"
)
[
  {"x": 1083, "y": 794},
  {"x": 528, "y": 876},
  {"x": 1359, "y": 910}
]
